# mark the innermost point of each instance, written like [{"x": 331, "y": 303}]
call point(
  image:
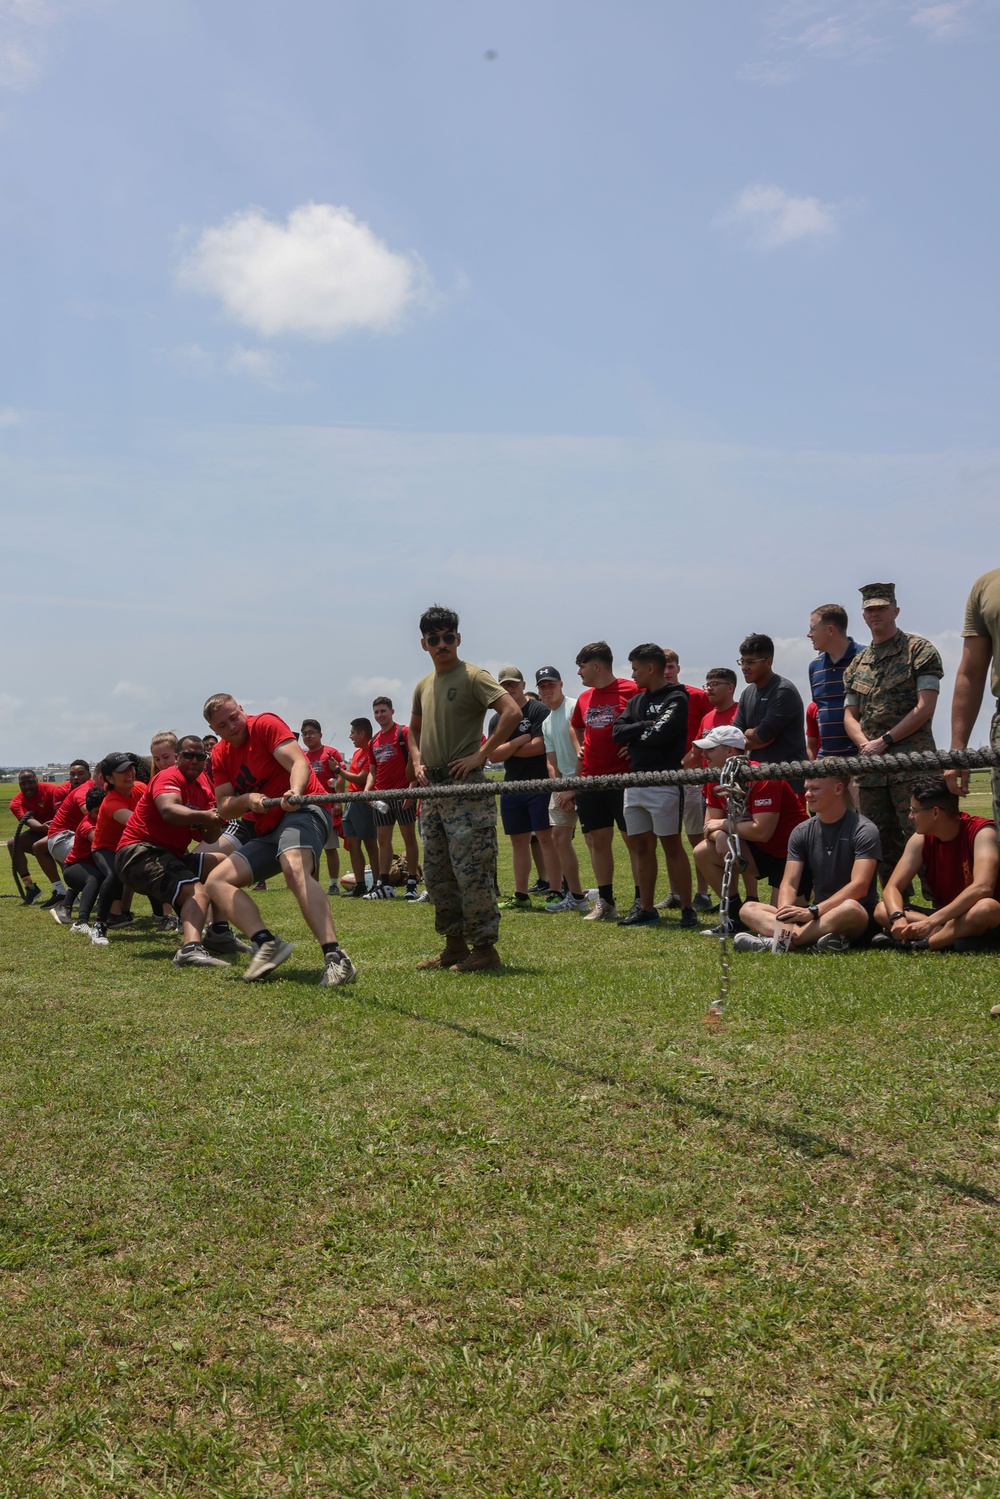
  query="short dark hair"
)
[
  {"x": 934, "y": 791},
  {"x": 721, "y": 674},
  {"x": 311, "y": 723},
  {"x": 363, "y": 723},
  {"x": 437, "y": 617},
  {"x": 833, "y": 614},
  {"x": 94, "y": 798},
  {"x": 597, "y": 650},
  {"x": 191, "y": 739},
  {"x": 30, "y": 773},
  {"x": 84, "y": 763},
  {"x": 380, "y": 701},
  {"x": 757, "y": 645},
  {"x": 655, "y": 654}
]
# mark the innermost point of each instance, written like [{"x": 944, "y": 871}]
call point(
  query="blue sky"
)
[{"x": 646, "y": 322}]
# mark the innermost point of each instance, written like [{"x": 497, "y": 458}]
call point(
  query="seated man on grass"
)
[
  {"x": 836, "y": 854},
  {"x": 772, "y": 811},
  {"x": 961, "y": 862}
]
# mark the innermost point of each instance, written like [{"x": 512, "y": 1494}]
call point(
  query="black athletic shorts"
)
[
  {"x": 155, "y": 871},
  {"x": 601, "y": 809},
  {"x": 769, "y": 866},
  {"x": 240, "y": 829}
]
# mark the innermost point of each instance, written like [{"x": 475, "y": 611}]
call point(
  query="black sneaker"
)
[
  {"x": 358, "y": 893},
  {"x": 411, "y": 891},
  {"x": 125, "y": 919},
  {"x": 31, "y": 894},
  {"x": 539, "y": 887},
  {"x": 55, "y": 899},
  {"x": 638, "y": 917},
  {"x": 689, "y": 919}
]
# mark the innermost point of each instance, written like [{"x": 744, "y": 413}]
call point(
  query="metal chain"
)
[{"x": 735, "y": 794}]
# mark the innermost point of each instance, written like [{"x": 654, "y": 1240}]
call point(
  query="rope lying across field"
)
[{"x": 924, "y": 762}]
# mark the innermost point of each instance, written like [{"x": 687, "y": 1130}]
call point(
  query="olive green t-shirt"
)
[
  {"x": 982, "y": 617},
  {"x": 451, "y": 706}
]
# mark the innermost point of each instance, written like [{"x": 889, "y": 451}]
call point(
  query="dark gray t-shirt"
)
[
  {"x": 776, "y": 712},
  {"x": 531, "y": 767},
  {"x": 829, "y": 849}
]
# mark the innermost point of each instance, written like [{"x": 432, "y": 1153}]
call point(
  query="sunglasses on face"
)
[
  {"x": 193, "y": 755},
  {"x": 449, "y": 637}
]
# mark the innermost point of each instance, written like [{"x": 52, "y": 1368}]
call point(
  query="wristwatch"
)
[
  {"x": 888, "y": 739},
  {"x": 895, "y": 916},
  {"x": 814, "y": 912}
]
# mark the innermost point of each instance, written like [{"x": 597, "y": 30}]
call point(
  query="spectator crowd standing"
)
[{"x": 188, "y": 828}]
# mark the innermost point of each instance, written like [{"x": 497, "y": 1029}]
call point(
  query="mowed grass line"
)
[{"x": 528, "y": 1233}]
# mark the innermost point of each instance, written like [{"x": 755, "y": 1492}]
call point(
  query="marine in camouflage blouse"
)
[{"x": 882, "y": 683}]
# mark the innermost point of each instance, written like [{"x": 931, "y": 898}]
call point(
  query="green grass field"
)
[{"x": 528, "y": 1233}]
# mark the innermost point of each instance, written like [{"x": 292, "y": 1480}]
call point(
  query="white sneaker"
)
[
  {"x": 424, "y": 895},
  {"x": 80, "y": 926},
  {"x": 604, "y": 910},
  {"x": 338, "y": 970},
  {"x": 98, "y": 938},
  {"x": 568, "y": 903},
  {"x": 268, "y": 957},
  {"x": 750, "y": 942}
]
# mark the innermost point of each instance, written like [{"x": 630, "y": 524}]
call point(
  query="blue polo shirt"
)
[{"x": 826, "y": 681}]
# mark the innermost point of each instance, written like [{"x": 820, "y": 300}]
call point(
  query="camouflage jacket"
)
[{"x": 882, "y": 683}]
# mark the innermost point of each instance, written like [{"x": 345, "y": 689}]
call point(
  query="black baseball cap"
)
[
  {"x": 113, "y": 763},
  {"x": 547, "y": 674}
]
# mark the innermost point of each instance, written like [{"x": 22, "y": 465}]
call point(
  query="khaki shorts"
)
[
  {"x": 694, "y": 811},
  {"x": 558, "y": 817}
]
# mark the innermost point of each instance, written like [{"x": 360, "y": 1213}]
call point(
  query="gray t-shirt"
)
[
  {"x": 829, "y": 849},
  {"x": 777, "y": 713}
]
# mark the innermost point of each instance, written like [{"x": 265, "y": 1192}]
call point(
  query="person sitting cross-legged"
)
[
  {"x": 836, "y": 853},
  {"x": 961, "y": 863}
]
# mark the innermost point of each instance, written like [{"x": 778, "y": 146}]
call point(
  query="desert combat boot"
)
[{"x": 456, "y": 950}]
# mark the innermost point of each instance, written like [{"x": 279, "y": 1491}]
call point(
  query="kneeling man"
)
[
  {"x": 836, "y": 853},
  {"x": 258, "y": 756},
  {"x": 152, "y": 855},
  {"x": 961, "y": 863}
]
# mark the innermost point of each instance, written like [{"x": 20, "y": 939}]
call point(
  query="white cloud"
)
[
  {"x": 941, "y": 21},
  {"x": 775, "y": 217},
  {"x": 24, "y": 25},
  {"x": 320, "y": 275},
  {"x": 257, "y": 364},
  {"x": 132, "y": 690}
]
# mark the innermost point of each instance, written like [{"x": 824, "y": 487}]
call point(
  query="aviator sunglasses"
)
[{"x": 449, "y": 637}]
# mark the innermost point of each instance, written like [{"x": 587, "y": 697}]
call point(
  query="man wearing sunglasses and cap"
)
[
  {"x": 891, "y": 689},
  {"x": 459, "y": 833}
]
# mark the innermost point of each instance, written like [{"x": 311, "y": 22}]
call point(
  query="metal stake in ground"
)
[{"x": 735, "y": 794}]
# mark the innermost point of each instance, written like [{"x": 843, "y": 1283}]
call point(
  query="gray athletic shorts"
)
[
  {"x": 306, "y": 827},
  {"x": 359, "y": 822},
  {"x": 61, "y": 844},
  {"x": 653, "y": 809}
]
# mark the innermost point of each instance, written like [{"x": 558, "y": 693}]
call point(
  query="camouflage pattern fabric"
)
[
  {"x": 995, "y": 772},
  {"x": 460, "y": 863},
  {"x": 884, "y": 678},
  {"x": 887, "y": 803}
]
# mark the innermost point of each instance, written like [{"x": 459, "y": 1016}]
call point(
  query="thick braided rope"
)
[{"x": 899, "y": 764}]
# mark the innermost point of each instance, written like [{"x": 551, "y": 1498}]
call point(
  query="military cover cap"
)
[
  {"x": 874, "y": 594},
  {"x": 509, "y": 674}
]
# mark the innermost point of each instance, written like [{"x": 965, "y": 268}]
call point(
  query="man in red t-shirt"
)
[
  {"x": 360, "y": 832},
  {"x": 152, "y": 855},
  {"x": 707, "y": 709},
  {"x": 53, "y": 848},
  {"x": 258, "y": 757},
  {"x": 327, "y": 765},
  {"x": 34, "y": 801},
  {"x": 391, "y": 770},
  {"x": 772, "y": 810},
  {"x": 961, "y": 863},
  {"x": 600, "y": 703}
]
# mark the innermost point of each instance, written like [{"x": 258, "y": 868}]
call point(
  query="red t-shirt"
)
[
  {"x": 71, "y": 810},
  {"x": 593, "y": 718},
  {"x": 948, "y": 866},
  {"x": 812, "y": 722},
  {"x": 326, "y": 764},
  {"x": 147, "y": 823},
  {"x": 698, "y": 706},
  {"x": 766, "y": 796},
  {"x": 80, "y": 852},
  {"x": 108, "y": 832},
  {"x": 251, "y": 766},
  {"x": 716, "y": 718},
  {"x": 41, "y": 806},
  {"x": 60, "y": 793},
  {"x": 391, "y": 758},
  {"x": 361, "y": 760}
]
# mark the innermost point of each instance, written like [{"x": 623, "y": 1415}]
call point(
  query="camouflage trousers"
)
[
  {"x": 460, "y": 865},
  {"x": 887, "y": 803},
  {"x": 995, "y": 773}
]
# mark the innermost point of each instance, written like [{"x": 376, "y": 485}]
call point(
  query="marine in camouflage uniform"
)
[
  {"x": 882, "y": 685},
  {"x": 460, "y": 860}
]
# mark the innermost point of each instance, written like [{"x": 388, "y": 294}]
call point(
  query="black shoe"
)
[
  {"x": 53, "y": 900},
  {"x": 638, "y": 917},
  {"x": 358, "y": 893},
  {"x": 125, "y": 919},
  {"x": 689, "y": 919},
  {"x": 538, "y": 888},
  {"x": 31, "y": 894},
  {"x": 885, "y": 942}
]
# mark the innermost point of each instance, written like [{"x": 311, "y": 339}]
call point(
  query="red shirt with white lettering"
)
[
  {"x": 766, "y": 796},
  {"x": 593, "y": 718},
  {"x": 71, "y": 810},
  {"x": 390, "y": 751},
  {"x": 41, "y": 806},
  {"x": 326, "y": 764},
  {"x": 80, "y": 852},
  {"x": 251, "y": 766},
  {"x": 107, "y": 830},
  {"x": 148, "y": 824},
  {"x": 698, "y": 705},
  {"x": 948, "y": 866}
]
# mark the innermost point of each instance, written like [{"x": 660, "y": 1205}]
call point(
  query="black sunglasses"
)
[
  {"x": 449, "y": 637},
  {"x": 193, "y": 755}
]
